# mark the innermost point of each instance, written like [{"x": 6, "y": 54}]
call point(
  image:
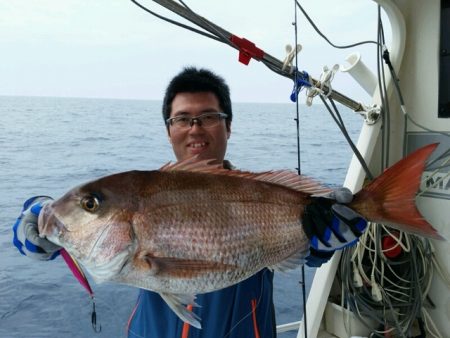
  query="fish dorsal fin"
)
[
  {"x": 284, "y": 178},
  {"x": 193, "y": 165}
]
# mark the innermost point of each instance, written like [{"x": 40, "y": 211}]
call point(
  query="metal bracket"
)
[{"x": 371, "y": 114}]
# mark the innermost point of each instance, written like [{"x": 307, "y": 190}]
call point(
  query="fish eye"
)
[{"x": 90, "y": 203}]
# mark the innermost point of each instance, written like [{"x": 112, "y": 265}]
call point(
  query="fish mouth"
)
[{"x": 49, "y": 225}]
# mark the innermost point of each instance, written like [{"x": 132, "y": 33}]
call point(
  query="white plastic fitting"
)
[
  {"x": 359, "y": 71},
  {"x": 357, "y": 279},
  {"x": 376, "y": 292}
]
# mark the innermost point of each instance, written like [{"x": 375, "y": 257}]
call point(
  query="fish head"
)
[{"x": 93, "y": 222}]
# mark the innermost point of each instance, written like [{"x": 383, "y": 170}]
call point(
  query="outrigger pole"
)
[{"x": 248, "y": 50}]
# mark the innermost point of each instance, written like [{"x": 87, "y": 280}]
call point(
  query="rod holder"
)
[{"x": 359, "y": 71}]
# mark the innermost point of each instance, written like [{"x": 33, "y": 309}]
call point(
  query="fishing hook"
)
[{"x": 94, "y": 319}]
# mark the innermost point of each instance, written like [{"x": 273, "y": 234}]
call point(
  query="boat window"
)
[{"x": 444, "y": 65}]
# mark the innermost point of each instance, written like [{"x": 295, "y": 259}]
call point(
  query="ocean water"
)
[{"x": 48, "y": 145}]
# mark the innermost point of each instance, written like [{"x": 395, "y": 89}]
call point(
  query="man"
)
[{"x": 198, "y": 115}]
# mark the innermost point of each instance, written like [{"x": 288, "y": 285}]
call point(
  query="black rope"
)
[
  {"x": 325, "y": 38},
  {"x": 337, "y": 118}
]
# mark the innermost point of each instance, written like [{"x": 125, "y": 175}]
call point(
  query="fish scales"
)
[{"x": 227, "y": 222}]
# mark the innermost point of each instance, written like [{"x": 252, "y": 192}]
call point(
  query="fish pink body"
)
[{"x": 191, "y": 227}]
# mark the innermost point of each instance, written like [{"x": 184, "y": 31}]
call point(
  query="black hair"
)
[{"x": 193, "y": 80}]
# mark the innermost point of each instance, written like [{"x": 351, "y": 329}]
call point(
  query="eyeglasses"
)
[{"x": 206, "y": 120}]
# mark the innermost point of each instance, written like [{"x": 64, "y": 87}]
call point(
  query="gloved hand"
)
[
  {"x": 331, "y": 226},
  {"x": 26, "y": 236}
]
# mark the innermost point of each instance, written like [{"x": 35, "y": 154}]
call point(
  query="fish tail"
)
[{"x": 390, "y": 198}]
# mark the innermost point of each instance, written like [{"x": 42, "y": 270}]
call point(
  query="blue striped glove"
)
[
  {"x": 330, "y": 225},
  {"x": 26, "y": 235}
]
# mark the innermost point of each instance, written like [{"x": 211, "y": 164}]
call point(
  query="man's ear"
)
[
  {"x": 228, "y": 130},
  {"x": 168, "y": 136}
]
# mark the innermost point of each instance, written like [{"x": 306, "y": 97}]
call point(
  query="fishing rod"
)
[
  {"x": 248, "y": 50},
  {"x": 297, "y": 122}
]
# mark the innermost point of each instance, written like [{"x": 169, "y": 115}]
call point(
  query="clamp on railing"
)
[
  {"x": 323, "y": 86},
  {"x": 302, "y": 80},
  {"x": 290, "y": 55},
  {"x": 247, "y": 49}
]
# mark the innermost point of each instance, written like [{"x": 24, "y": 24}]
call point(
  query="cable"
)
[
  {"x": 216, "y": 33},
  {"x": 386, "y": 106},
  {"x": 337, "y": 118},
  {"x": 176, "y": 22},
  {"x": 382, "y": 92},
  {"x": 404, "y": 282},
  {"x": 445, "y": 154},
  {"x": 398, "y": 92},
  {"x": 325, "y": 38},
  {"x": 205, "y": 24}
]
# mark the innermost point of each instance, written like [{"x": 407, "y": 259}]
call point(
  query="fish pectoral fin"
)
[
  {"x": 290, "y": 263},
  {"x": 182, "y": 268},
  {"x": 178, "y": 302}
]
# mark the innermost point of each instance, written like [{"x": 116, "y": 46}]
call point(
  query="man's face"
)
[{"x": 207, "y": 143}]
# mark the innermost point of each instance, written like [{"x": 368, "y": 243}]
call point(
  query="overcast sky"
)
[{"x": 113, "y": 49}]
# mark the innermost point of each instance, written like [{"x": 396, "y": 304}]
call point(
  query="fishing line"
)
[
  {"x": 445, "y": 154},
  {"x": 257, "y": 304},
  {"x": 250, "y": 312},
  {"x": 135, "y": 334}
]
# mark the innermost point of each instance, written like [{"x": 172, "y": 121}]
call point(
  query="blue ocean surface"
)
[{"x": 49, "y": 145}]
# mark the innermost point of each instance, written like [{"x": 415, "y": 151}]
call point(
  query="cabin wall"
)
[{"x": 420, "y": 83}]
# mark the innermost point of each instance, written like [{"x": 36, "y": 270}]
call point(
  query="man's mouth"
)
[{"x": 197, "y": 145}]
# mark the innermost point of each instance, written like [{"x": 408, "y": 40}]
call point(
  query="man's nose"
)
[
  {"x": 196, "y": 121},
  {"x": 196, "y": 127}
]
